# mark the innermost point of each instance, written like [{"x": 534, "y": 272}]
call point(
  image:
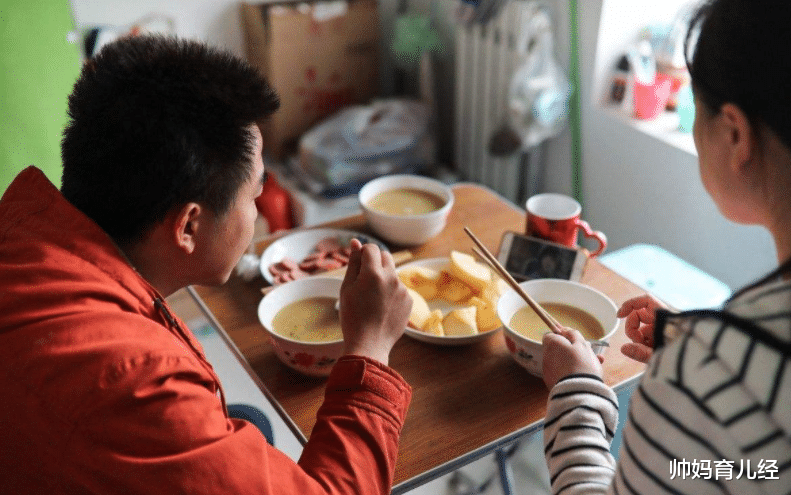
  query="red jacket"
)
[{"x": 100, "y": 394}]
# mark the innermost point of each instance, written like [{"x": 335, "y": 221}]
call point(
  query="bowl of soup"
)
[
  {"x": 573, "y": 305},
  {"x": 302, "y": 322},
  {"x": 406, "y": 209}
]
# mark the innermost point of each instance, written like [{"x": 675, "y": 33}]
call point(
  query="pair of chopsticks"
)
[{"x": 490, "y": 260}]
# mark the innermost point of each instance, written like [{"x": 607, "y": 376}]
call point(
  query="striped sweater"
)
[{"x": 712, "y": 413}]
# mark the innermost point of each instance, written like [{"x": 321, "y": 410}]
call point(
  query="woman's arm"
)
[{"x": 582, "y": 414}]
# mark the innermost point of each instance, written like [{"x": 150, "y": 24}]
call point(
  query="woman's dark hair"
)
[
  {"x": 741, "y": 57},
  {"x": 156, "y": 122}
]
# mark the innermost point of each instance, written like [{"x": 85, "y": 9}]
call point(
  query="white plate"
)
[
  {"x": 445, "y": 306},
  {"x": 300, "y": 244}
]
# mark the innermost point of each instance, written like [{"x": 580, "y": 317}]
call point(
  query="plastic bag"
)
[
  {"x": 364, "y": 142},
  {"x": 538, "y": 98}
]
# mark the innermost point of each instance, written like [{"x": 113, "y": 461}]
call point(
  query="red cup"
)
[
  {"x": 651, "y": 99},
  {"x": 556, "y": 218}
]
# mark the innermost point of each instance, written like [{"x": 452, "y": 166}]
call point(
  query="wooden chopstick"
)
[{"x": 490, "y": 260}]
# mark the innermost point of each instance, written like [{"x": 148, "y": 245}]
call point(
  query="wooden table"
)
[{"x": 467, "y": 401}]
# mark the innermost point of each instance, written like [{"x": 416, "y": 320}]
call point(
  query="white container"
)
[
  {"x": 529, "y": 353},
  {"x": 309, "y": 358},
  {"x": 406, "y": 230}
]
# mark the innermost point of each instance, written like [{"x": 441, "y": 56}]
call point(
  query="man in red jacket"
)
[{"x": 104, "y": 389}]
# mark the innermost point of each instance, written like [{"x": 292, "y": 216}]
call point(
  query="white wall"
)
[
  {"x": 557, "y": 159},
  {"x": 639, "y": 189},
  {"x": 217, "y": 22}
]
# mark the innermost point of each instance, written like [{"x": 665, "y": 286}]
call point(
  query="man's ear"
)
[
  {"x": 740, "y": 137},
  {"x": 186, "y": 225}
]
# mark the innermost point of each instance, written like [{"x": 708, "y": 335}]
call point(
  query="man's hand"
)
[
  {"x": 568, "y": 353},
  {"x": 640, "y": 313},
  {"x": 374, "y": 304}
]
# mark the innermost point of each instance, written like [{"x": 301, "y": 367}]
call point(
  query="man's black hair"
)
[{"x": 156, "y": 122}]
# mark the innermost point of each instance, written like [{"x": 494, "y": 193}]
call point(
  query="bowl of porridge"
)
[
  {"x": 572, "y": 304},
  {"x": 407, "y": 210},
  {"x": 302, "y": 322}
]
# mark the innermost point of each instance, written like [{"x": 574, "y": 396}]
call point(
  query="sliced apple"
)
[
  {"x": 486, "y": 316},
  {"x": 451, "y": 289},
  {"x": 497, "y": 287},
  {"x": 413, "y": 276},
  {"x": 469, "y": 271},
  {"x": 428, "y": 291},
  {"x": 420, "y": 311},
  {"x": 461, "y": 321},
  {"x": 424, "y": 280},
  {"x": 433, "y": 325}
]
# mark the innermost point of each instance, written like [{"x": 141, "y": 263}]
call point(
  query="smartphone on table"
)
[{"x": 527, "y": 258}]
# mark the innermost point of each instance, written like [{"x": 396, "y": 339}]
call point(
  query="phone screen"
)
[{"x": 531, "y": 258}]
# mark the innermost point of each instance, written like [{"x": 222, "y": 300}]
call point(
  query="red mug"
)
[
  {"x": 556, "y": 218},
  {"x": 650, "y": 100}
]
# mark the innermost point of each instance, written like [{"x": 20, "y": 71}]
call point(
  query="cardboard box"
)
[{"x": 319, "y": 57}]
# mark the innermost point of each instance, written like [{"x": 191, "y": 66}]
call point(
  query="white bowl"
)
[
  {"x": 309, "y": 358},
  {"x": 528, "y": 352},
  {"x": 406, "y": 230}
]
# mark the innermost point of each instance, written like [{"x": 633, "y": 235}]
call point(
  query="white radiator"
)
[{"x": 486, "y": 58}]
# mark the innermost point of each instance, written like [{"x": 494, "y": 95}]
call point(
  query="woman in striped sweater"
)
[{"x": 712, "y": 413}]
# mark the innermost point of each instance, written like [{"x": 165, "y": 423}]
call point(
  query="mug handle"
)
[{"x": 596, "y": 234}]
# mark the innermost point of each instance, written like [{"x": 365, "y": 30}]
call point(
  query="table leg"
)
[{"x": 462, "y": 484}]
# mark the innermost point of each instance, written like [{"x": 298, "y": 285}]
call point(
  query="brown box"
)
[{"x": 319, "y": 58}]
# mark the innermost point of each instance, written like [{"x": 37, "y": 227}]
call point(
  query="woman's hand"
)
[
  {"x": 374, "y": 304},
  {"x": 568, "y": 353},
  {"x": 640, "y": 314}
]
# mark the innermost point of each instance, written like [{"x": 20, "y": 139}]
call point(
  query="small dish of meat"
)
[{"x": 309, "y": 252}]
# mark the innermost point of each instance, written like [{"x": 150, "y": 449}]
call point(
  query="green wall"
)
[{"x": 38, "y": 67}]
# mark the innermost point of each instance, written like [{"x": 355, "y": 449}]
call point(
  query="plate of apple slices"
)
[{"x": 454, "y": 299}]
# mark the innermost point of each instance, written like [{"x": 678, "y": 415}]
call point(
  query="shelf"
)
[{"x": 663, "y": 128}]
